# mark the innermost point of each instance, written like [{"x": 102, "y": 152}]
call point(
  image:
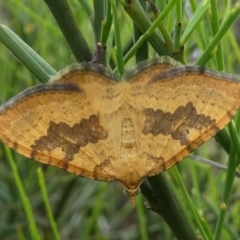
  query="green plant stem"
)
[
  {"x": 23, "y": 196},
  {"x": 196, "y": 192},
  {"x": 147, "y": 192},
  {"x": 141, "y": 218},
  {"x": 29, "y": 58},
  {"x": 149, "y": 32},
  {"x": 223, "y": 138},
  {"x": 169, "y": 208},
  {"x": 199, "y": 221},
  {"x": 211, "y": 163},
  {"x": 161, "y": 26},
  {"x": 198, "y": 23},
  {"x": 52, "y": 222},
  {"x": 98, "y": 19},
  {"x": 87, "y": 8},
  {"x": 237, "y": 121},
  {"x": 232, "y": 164},
  {"x": 227, "y": 223},
  {"x": 89, "y": 11},
  {"x": 235, "y": 47},
  {"x": 211, "y": 48},
  {"x": 215, "y": 28},
  {"x": 177, "y": 27},
  {"x": 197, "y": 17},
  {"x": 123, "y": 2},
  {"x": 107, "y": 22},
  {"x": 105, "y": 33},
  {"x": 67, "y": 23},
  {"x": 235, "y": 138},
  {"x": 177, "y": 48},
  {"x": 142, "y": 52},
  {"x": 139, "y": 17},
  {"x": 120, "y": 64}
]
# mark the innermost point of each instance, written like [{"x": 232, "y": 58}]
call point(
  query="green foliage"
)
[{"x": 54, "y": 204}]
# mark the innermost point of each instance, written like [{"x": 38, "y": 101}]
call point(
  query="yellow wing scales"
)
[
  {"x": 215, "y": 101},
  {"x": 34, "y": 113},
  {"x": 93, "y": 125}
]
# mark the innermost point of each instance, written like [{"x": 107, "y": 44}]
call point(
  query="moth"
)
[{"x": 97, "y": 125}]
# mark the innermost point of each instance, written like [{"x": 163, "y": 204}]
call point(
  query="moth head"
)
[{"x": 132, "y": 192}]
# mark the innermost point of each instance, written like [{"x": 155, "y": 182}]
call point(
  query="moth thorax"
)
[{"x": 128, "y": 141}]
